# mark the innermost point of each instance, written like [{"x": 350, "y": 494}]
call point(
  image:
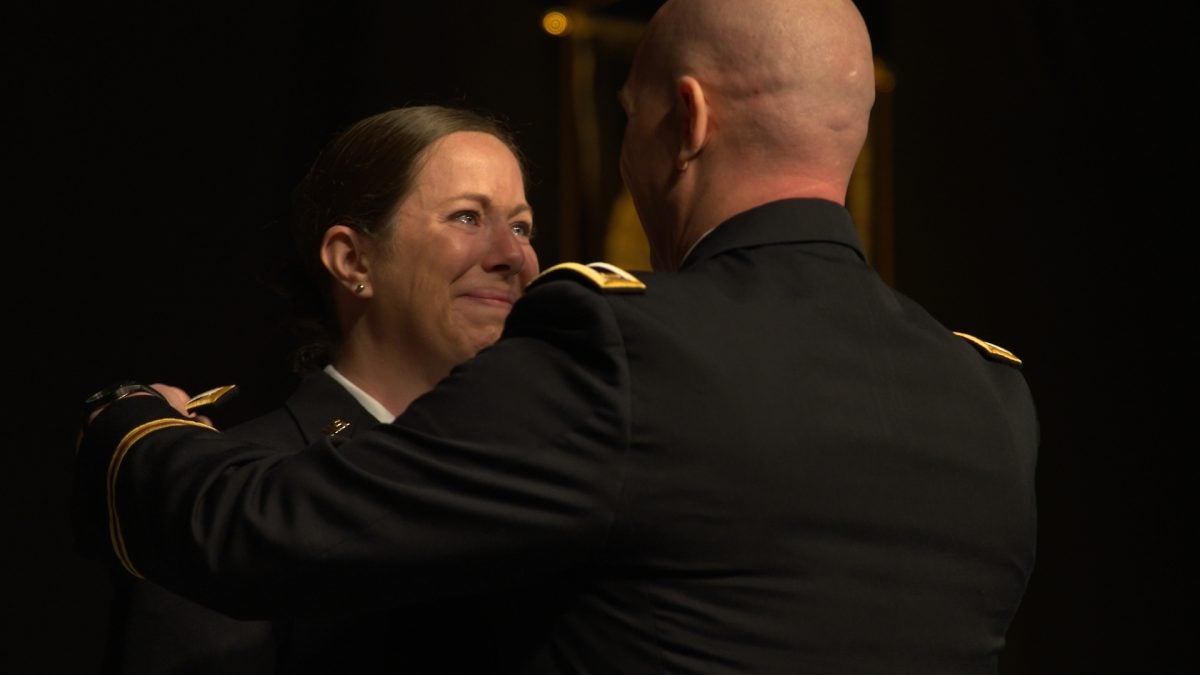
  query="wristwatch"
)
[{"x": 114, "y": 392}]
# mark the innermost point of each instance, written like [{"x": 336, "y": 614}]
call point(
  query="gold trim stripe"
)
[
  {"x": 989, "y": 347},
  {"x": 605, "y": 276},
  {"x": 114, "y": 466}
]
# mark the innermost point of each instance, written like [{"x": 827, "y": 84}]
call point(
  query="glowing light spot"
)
[{"x": 556, "y": 23}]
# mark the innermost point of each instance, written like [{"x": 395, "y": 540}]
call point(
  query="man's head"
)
[{"x": 734, "y": 104}]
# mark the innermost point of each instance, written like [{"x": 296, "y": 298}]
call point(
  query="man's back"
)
[{"x": 820, "y": 478}]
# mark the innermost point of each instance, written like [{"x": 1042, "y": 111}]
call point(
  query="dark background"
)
[{"x": 1043, "y": 159}]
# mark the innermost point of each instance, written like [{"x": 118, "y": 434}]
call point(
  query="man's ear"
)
[
  {"x": 343, "y": 252},
  {"x": 695, "y": 124}
]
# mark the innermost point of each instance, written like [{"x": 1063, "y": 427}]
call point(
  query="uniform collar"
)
[
  {"x": 783, "y": 221},
  {"x": 319, "y": 401}
]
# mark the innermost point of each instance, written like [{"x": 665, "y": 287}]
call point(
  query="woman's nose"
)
[{"x": 506, "y": 252}]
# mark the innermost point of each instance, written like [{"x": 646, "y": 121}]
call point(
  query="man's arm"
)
[{"x": 509, "y": 468}]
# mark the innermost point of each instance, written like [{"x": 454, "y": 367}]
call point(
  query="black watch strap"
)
[{"x": 114, "y": 392}]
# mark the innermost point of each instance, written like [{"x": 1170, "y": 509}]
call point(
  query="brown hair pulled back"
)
[{"x": 357, "y": 180}]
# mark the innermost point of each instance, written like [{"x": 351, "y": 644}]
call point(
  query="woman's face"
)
[{"x": 457, "y": 254}]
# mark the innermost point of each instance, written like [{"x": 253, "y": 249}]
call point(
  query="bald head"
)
[
  {"x": 792, "y": 80},
  {"x": 736, "y": 103}
]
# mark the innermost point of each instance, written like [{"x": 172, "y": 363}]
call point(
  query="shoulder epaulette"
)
[
  {"x": 212, "y": 397},
  {"x": 994, "y": 352},
  {"x": 608, "y": 278}
]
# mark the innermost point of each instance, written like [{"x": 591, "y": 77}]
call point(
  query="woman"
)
[{"x": 414, "y": 237}]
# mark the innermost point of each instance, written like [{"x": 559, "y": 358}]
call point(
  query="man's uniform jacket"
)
[{"x": 769, "y": 461}]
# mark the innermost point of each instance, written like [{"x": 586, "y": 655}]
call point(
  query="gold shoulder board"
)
[
  {"x": 212, "y": 397},
  {"x": 995, "y": 352},
  {"x": 608, "y": 278}
]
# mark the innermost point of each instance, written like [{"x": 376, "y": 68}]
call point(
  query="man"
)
[{"x": 765, "y": 460}]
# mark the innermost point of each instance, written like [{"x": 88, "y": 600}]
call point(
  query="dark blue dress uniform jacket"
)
[{"x": 767, "y": 462}]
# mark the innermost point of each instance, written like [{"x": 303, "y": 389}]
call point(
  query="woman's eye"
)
[
  {"x": 467, "y": 217},
  {"x": 524, "y": 230}
]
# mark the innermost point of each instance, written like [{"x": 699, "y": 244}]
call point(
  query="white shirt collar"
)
[
  {"x": 374, "y": 407},
  {"x": 693, "y": 246}
]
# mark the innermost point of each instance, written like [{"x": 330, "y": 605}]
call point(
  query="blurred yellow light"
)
[{"x": 555, "y": 23}]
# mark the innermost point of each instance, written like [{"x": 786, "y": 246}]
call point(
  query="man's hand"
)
[{"x": 178, "y": 398}]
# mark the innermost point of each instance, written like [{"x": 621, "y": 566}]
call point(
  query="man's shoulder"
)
[
  {"x": 626, "y": 297},
  {"x": 576, "y": 297}
]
